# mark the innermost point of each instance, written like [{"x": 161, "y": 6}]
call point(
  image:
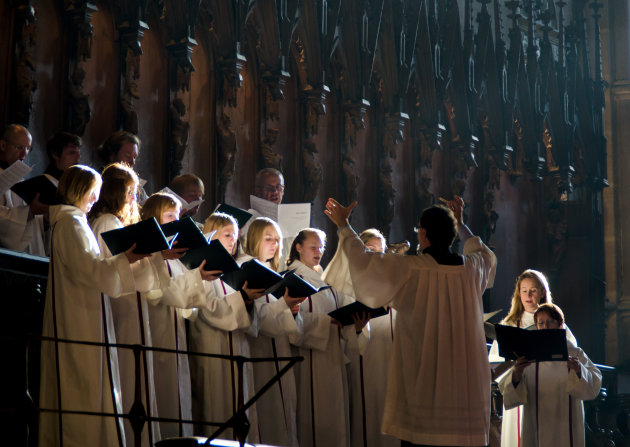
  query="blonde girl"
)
[
  {"x": 219, "y": 327},
  {"x": 277, "y": 407}
]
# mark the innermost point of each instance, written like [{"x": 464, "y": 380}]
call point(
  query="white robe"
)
[
  {"x": 168, "y": 330},
  {"x": 219, "y": 327},
  {"x": 551, "y": 396},
  {"x": 18, "y": 230},
  {"x": 277, "y": 407},
  {"x": 369, "y": 365},
  {"x": 131, "y": 323},
  {"x": 512, "y": 418},
  {"x": 439, "y": 379},
  {"x": 78, "y": 275},
  {"x": 323, "y": 404}
]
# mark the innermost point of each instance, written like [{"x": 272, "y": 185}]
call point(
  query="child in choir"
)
[
  {"x": 369, "y": 366},
  {"x": 186, "y": 290},
  {"x": 219, "y": 327},
  {"x": 531, "y": 290},
  {"x": 77, "y": 377},
  {"x": 117, "y": 207},
  {"x": 551, "y": 393},
  {"x": 323, "y": 412},
  {"x": 276, "y": 322}
]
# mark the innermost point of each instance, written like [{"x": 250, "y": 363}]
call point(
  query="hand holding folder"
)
[{"x": 344, "y": 314}]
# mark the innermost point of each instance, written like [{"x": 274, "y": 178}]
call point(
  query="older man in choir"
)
[
  {"x": 439, "y": 384},
  {"x": 21, "y": 225}
]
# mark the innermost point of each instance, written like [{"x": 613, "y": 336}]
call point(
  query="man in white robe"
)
[
  {"x": 21, "y": 225},
  {"x": 439, "y": 379},
  {"x": 552, "y": 392}
]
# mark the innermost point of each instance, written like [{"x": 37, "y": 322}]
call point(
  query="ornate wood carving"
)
[
  {"x": 130, "y": 21},
  {"x": 271, "y": 159},
  {"x": 317, "y": 40},
  {"x": 227, "y": 149},
  {"x": 24, "y": 82},
  {"x": 355, "y": 60},
  {"x": 226, "y": 23},
  {"x": 394, "y": 65},
  {"x": 79, "y": 14},
  {"x": 180, "y": 18}
]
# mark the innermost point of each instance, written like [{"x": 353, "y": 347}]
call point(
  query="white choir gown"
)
[
  {"x": 220, "y": 327},
  {"x": 76, "y": 309},
  {"x": 438, "y": 389},
  {"x": 323, "y": 404},
  {"x": 551, "y": 397},
  {"x": 277, "y": 407},
  {"x": 369, "y": 365},
  {"x": 131, "y": 323}
]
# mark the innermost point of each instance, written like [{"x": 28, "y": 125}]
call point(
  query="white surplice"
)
[
  {"x": 512, "y": 418},
  {"x": 277, "y": 407},
  {"x": 323, "y": 404},
  {"x": 75, "y": 309},
  {"x": 19, "y": 231},
  {"x": 131, "y": 323},
  {"x": 219, "y": 327},
  {"x": 439, "y": 379},
  {"x": 551, "y": 397},
  {"x": 168, "y": 330},
  {"x": 369, "y": 365}
]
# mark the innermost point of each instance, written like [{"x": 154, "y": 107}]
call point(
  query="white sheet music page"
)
[
  {"x": 12, "y": 175},
  {"x": 292, "y": 217}
]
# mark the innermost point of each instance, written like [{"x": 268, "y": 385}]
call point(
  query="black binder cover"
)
[
  {"x": 188, "y": 233},
  {"x": 28, "y": 189},
  {"x": 240, "y": 215},
  {"x": 216, "y": 256},
  {"x": 255, "y": 273},
  {"x": 298, "y": 287},
  {"x": 542, "y": 345},
  {"x": 147, "y": 234},
  {"x": 344, "y": 314}
]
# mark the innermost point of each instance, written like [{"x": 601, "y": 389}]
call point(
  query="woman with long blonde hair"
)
[
  {"x": 219, "y": 327},
  {"x": 277, "y": 407}
]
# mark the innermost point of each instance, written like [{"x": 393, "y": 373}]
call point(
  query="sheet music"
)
[
  {"x": 292, "y": 217},
  {"x": 185, "y": 205},
  {"x": 12, "y": 175}
]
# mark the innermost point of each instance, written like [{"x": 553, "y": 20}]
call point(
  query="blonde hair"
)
[
  {"x": 294, "y": 255},
  {"x": 117, "y": 178},
  {"x": 255, "y": 239},
  {"x": 157, "y": 204},
  {"x": 76, "y": 182},
  {"x": 216, "y": 221},
  {"x": 372, "y": 233},
  {"x": 517, "y": 309}
]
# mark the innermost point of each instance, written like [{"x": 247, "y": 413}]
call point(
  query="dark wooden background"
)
[{"x": 393, "y": 103}]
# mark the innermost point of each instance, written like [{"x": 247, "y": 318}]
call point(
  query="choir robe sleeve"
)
[
  {"x": 379, "y": 278},
  {"x": 313, "y": 331},
  {"x": 18, "y": 229},
  {"x": 227, "y": 313},
  {"x": 513, "y": 397},
  {"x": 89, "y": 270},
  {"x": 274, "y": 317},
  {"x": 184, "y": 291},
  {"x": 587, "y": 386},
  {"x": 148, "y": 273}
]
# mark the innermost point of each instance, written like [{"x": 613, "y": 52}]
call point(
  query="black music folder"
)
[
  {"x": 542, "y": 345},
  {"x": 241, "y": 216},
  {"x": 41, "y": 184},
  {"x": 298, "y": 286},
  {"x": 146, "y": 234},
  {"x": 344, "y": 314},
  {"x": 215, "y": 255},
  {"x": 257, "y": 275},
  {"x": 188, "y": 233}
]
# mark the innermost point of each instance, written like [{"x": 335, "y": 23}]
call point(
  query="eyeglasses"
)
[
  {"x": 19, "y": 147},
  {"x": 273, "y": 188}
]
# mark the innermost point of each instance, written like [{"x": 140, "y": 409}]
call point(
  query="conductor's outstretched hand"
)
[{"x": 337, "y": 213}]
